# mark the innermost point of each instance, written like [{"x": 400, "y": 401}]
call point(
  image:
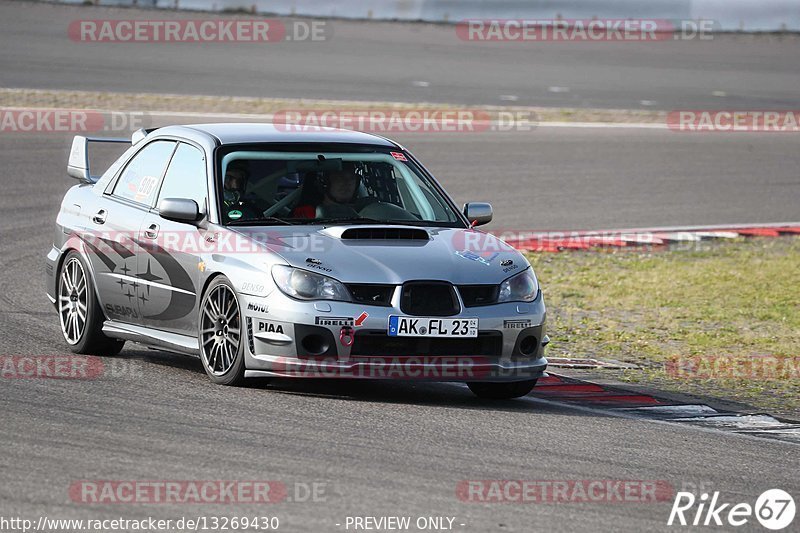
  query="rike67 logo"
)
[{"x": 774, "y": 509}]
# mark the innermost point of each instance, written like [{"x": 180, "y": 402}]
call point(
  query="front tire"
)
[
  {"x": 220, "y": 334},
  {"x": 79, "y": 312},
  {"x": 501, "y": 391}
]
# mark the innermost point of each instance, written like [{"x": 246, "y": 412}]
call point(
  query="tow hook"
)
[{"x": 347, "y": 336}]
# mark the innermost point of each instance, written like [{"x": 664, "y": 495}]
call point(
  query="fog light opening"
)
[
  {"x": 314, "y": 344},
  {"x": 528, "y": 345}
]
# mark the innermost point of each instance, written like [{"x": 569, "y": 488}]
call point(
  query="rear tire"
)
[
  {"x": 220, "y": 334},
  {"x": 501, "y": 391},
  {"x": 79, "y": 312}
]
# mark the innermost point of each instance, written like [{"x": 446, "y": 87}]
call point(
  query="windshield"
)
[{"x": 268, "y": 187}]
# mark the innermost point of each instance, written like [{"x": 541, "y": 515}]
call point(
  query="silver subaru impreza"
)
[{"x": 269, "y": 252}]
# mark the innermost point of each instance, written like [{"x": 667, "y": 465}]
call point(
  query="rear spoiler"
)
[{"x": 78, "y": 163}]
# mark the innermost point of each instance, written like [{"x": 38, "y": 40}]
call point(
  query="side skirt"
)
[{"x": 153, "y": 338}]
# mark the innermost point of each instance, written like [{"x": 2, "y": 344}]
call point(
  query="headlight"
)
[
  {"x": 306, "y": 285},
  {"x": 524, "y": 287}
]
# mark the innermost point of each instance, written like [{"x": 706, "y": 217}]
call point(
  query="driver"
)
[
  {"x": 236, "y": 176},
  {"x": 339, "y": 190},
  {"x": 340, "y": 187}
]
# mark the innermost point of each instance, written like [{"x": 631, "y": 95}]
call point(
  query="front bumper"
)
[
  {"x": 399, "y": 368},
  {"x": 290, "y": 338}
]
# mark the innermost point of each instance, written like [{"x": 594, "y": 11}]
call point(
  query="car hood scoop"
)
[{"x": 378, "y": 233}]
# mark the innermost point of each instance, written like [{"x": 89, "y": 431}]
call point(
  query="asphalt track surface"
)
[
  {"x": 387, "y": 62},
  {"x": 382, "y": 448}
]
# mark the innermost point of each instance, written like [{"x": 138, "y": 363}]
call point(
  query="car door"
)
[
  {"x": 114, "y": 224},
  {"x": 172, "y": 262}
]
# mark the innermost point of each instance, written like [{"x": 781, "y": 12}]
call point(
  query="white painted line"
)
[
  {"x": 676, "y": 410},
  {"x": 494, "y": 124},
  {"x": 607, "y": 125},
  {"x": 266, "y": 117},
  {"x": 557, "y": 89},
  {"x": 624, "y": 413},
  {"x": 740, "y": 421},
  {"x": 678, "y": 236},
  {"x": 569, "y": 362},
  {"x": 791, "y": 432},
  {"x": 670, "y": 229},
  {"x": 270, "y": 117},
  {"x": 420, "y": 83},
  {"x": 619, "y": 413},
  {"x": 509, "y": 97},
  {"x": 640, "y": 238},
  {"x": 240, "y": 116},
  {"x": 717, "y": 234},
  {"x": 572, "y": 364}
]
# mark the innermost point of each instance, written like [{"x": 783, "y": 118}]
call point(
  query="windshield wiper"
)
[
  {"x": 257, "y": 221},
  {"x": 385, "y": 221},
  {"x": 326, "y": 221}
]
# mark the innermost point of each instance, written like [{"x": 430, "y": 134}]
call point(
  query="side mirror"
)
[
  {"x": 179, "y": 210},
  {"x": 478, "y": 213}
]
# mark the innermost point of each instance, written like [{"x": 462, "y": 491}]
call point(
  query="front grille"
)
[
  {"x": 477, "y": 295},
  {"x": 386, "y": 234},
  {"x": 371, "y": 294},
  {"x": 429, "y": 298},
  {"x": 379, "y": 344}
]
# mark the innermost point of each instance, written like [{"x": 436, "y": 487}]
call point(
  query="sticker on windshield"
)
[
  {"x": 399, "y": 156},
  {"x": 235, "y": 214}
]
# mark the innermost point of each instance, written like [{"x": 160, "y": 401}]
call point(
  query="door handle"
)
[
  {"x": 100, "y": 217},
  {"x": 152, "y": 231}
]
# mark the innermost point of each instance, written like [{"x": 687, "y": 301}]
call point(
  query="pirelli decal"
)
[
  {"x": 334, "y": 321},
  {"x": 517, "y": 324}
]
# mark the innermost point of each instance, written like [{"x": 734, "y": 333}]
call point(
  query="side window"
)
[
  {"x": 186, "y": 176},
  {"x": 139, "y": 180}
]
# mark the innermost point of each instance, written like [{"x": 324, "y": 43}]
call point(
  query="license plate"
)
[{"x": 407, "y": 326}]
